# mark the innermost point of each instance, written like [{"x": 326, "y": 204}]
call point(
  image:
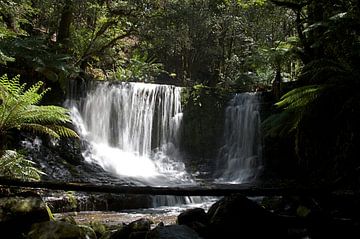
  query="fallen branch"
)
[{"x": 198, "y": 190}]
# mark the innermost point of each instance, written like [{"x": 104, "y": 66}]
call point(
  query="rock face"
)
[
  {"x": 172, "y": 232},
  {"x": 18, "y": 213},
  {"x": 237, "y": 216}
]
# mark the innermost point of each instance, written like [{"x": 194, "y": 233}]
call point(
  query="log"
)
[{"x": 197, "y": 190}]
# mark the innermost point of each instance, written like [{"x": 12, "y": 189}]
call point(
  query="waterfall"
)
[
  {"x": 132, "y": 130},
  {"x": 240, "y": 157}
]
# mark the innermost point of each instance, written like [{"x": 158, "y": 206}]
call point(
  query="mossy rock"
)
[
  {"x": 18, "y": 213},
  {"x": 60, "y": 230}
]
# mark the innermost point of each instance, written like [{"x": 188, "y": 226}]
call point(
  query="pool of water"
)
[{"x": 165, "y": 214}]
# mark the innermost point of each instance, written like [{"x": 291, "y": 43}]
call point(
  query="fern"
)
[
  {"x": 320, "y": 76},
  {"x": 14, "y": 165},
  {"x": 292, "y": 105},
  {"x": 299, "y": 97},
  {"x": 18, "y": 110}
]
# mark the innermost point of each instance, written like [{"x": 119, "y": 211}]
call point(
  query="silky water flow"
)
[
  {"x": 239, "y": 159},
  {"x": 132, "y": 130}
]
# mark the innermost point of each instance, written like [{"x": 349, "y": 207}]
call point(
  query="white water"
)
[
  {"x": 240, "y": 156},
  {"x": 133, "y": 131}
]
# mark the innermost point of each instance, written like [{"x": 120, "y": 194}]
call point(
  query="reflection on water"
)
[{"x": 165, "y": 214}]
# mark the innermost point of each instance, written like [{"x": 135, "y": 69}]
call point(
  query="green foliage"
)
[
  {"x": 71, "y": 198},
  {"x": 18, "y": 110},
  {"x": 140, "y": 67},
  {"x": 204, "y": 107},
  {"x": 292, "y": 106},
  {"x": 331, "y": 45},
  {"x": 36, "y": 54},
  {"x": 14, "y": 165},
  {"x": 215, "y": 42}
]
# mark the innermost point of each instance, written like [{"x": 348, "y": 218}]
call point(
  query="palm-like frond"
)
[
  {"x": 293, "y": 105},
  {"x": 320, "y": 76},
  {"x": 63, "y": 131},
  {"x": 299, "y": 97},
  {"x": 40, "y": 129},
  {"x": 46, "y": 115},
  {"x": 18, "y": 110}
]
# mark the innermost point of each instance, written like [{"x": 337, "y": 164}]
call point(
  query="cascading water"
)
[
  {"x": 132, "y": 130},
  {"x": 240, "y": 157}
]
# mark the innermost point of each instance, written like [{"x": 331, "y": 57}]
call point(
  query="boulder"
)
[
  {"x": 136, "y": 229},
  {"x": 196, "y": 219},
  {"x": 173, "y": 232},
  {"x": 60, "y": 230},
  {"x": 18, "y": 213},
  {"x": 238, "y": 216}
]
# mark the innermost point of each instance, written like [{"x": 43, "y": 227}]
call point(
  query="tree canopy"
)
[{"x": 225, "y": 43}]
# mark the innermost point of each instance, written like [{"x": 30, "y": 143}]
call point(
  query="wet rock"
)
[
  {"x": 142, "y": 224},
  {"x": 239, "y": 216},
  {"x": 79, "y": 201},
  {"x": 138, "y": 235},
  {"x": 196, "y": 219},
  {"x": 173, "y": 232},
  {"x": 99, "y": 228},
  {"x": 18, "y": 213},
  {"x": 60, "y": 230},
  {"x": 135, "y": 229}
]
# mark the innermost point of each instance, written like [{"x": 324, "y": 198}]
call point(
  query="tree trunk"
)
[{"x": 63, "y": 36}]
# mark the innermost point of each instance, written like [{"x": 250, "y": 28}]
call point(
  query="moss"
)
[
  {"x": 51, "y": 216},
  {"x": 203, "y": 121}
]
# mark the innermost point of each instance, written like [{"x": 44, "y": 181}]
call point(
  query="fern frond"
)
[
  {"x": 40, "y": 129},
  {"x": 293, "y": 105},
  {"x": 12, "y": 86},
  {"x": 32, "y": 94},
  {"x": 282, "y": 123},
  {"x": 46, "y": 115},
  {"x": 299, "y": 97},
  {"x": 63, "y": 131},
  {"x": 18, "y": 110},
  {"x": 13, "y": 164}
]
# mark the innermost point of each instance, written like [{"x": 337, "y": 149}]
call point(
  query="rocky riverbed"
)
[
  {"x": 26, "y": 215},
  {"x": 117, "y": 218}
]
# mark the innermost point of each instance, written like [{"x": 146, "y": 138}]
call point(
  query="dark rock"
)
[
  {"x": 60, "y": 230},
  {"x": 196, "y": 219},
  {"x": 18, "y": 213},
  {"x": 142, "y": 225},
  {"x": 173, "y": 232},
  {"x": 138, "y": 235},
  {"x": 79, "y": 201},
  {"x": 323, "y": 225},
  {"x": 192, "y": 215},
  {"x": 239, "y": 216}
]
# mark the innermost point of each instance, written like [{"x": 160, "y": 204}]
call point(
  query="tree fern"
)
[
  {"x": 320, "y": 76},
  {"x": 292, "y": 106},
  {"x": 18, "y": 110}
]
